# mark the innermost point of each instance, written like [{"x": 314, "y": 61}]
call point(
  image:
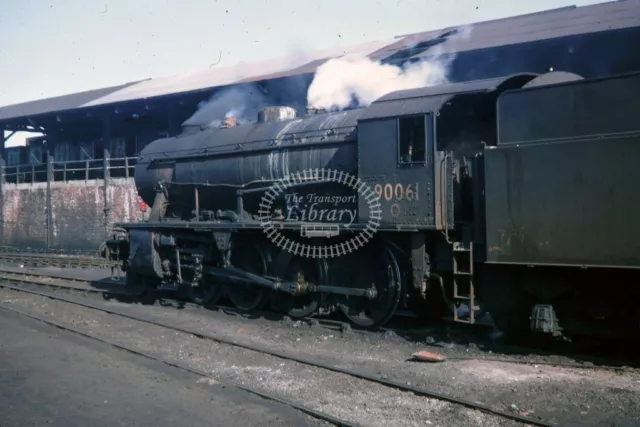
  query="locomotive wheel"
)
[
  {"x": 136, "y": 283},
  {"x": 253, "y": 258},
  {"x": 206, "y": 293},
  {"x": 312, "y": 270},
  {"x": 435, "y": 305},
  {"x": 140, "y": 286},
  {"x": 379, "y": 267}
]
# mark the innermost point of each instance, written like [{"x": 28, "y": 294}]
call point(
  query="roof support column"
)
[
  {"x": 52, "y": 133},
  {"x": 2, "y": 182},
  {"x": 174, "y": 123},
  {"x": 3, "y": 140},
  {"x": 106, "y": 138},
  {"x": 52, "y": 138}
]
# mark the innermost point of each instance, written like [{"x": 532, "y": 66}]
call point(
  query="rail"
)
[
  {"x": 73, "y": 170},
  {"x": 57, "y": 261},
  {"x": 12, "y": 250}
]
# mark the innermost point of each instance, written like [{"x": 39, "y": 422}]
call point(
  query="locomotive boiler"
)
[
  {"x": 218, "y": 162},
  {"x": 470, "y": 193}
]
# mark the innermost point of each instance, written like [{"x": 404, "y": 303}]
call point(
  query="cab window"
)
[{"x": 412, "y": 139}]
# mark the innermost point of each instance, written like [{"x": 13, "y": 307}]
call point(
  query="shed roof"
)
[
  {"x": 549, "y": 24},
  {"x": 58, "y": 103},
  {"x": 241, "y": 73}
]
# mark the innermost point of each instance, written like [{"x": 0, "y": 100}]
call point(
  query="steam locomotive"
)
[{"x": 515, "y": 196}]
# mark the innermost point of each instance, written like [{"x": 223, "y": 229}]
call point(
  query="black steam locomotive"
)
[{"x": 513, "y": 195}]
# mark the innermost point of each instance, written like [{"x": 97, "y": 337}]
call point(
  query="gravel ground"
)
[
  {"x": 590, "y": 397},
  {"x": 564, "y": 395},
  {"x": 57, "y": 378},
  {"x": 342, "y": 396}
]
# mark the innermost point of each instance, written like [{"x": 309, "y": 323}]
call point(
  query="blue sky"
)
[{"x": 50, "y": 47}]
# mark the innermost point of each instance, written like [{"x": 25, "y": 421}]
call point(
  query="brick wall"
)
[{"x": 78, "y": 215}]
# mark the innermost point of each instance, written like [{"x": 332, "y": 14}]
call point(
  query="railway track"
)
[
  {"x": 316, "y": 414},
  {"x": 15, "y": 280},
  {"x": 107, "y": 289},
  {"x": 29, "y": 259},
  {"x": 21, "y": 281},
  {"x": 48, "y": 252}
]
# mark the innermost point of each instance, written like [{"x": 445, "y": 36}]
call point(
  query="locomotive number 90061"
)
[{"x": 397, "y": 192}]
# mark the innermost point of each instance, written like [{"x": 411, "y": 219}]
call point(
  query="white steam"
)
[
  {"x": 241, "y": 102},
  {"x": 234, "y": 112},
  {"x": 340, "y": 82}
]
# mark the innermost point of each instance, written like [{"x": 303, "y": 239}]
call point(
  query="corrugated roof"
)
[
  {"x": 241, "y": 73},
  {"x": 538, "y": 26},
  {"x": 58, "y": 103},
  {"x": 514, "y": 30}
]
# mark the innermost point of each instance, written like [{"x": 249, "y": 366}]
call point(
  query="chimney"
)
[
  {"x": 314, "y": 110},
  {"x": 229, "y": 122},
  {"x": 276, "y": 114}
]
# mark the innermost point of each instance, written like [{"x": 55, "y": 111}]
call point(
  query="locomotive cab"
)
[
  {"x": 396, "y": 158},
  {"x": 417, "y": 149}
]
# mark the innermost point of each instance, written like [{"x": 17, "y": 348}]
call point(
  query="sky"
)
[{"x": 50, "y": 48}]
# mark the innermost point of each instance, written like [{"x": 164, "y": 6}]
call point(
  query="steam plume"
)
[
  {"x": 339, "y": 82},
  {"x": 336, "y": 84},
  {"x": 241, "y": 102}
]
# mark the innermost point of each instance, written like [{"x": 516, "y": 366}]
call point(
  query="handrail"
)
[{"x": 70, "y": 170}]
